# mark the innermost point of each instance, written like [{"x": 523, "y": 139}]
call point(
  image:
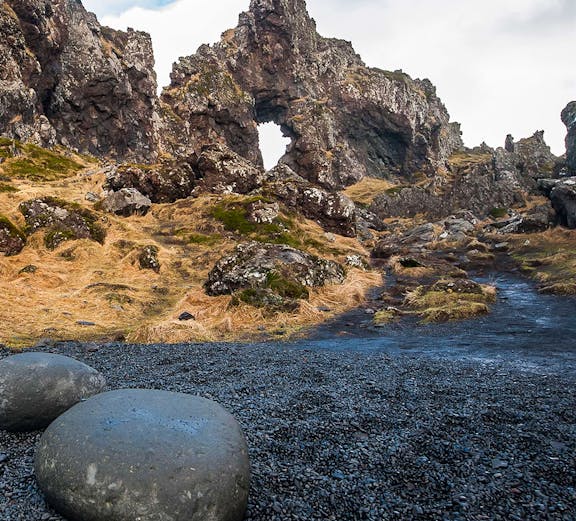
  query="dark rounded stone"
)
[
  {"x": 36, "y": 388},
  {"x": 134, "y": 454}
]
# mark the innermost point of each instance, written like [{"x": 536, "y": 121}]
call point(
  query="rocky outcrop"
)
[
  {"x": 569, "y": 119},
  {"x": 63, "y": 221},
  {"x": 12, "y": 240},
  {"x": 345, "y": 119},
  {"x": 563, "y": 197},
  {"x": 332, "y": 210},
  {"x": 271, "y": 275},
  {"x": 165, "y": 182},
  {"x": 65, "y": 79},
  {"x": 478, "y": 180}
]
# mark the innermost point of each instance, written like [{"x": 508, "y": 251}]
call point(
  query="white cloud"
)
[{"x": 500, "y": 66}]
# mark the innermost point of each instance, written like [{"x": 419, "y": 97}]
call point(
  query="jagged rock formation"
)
[
  {"x": 65, "y": 79},
  {"x": 345, "y": 119},
  {"x": 562, "y": 194},
  {"x": 569, "y": 119},
  {"x": 478, "y": 180}
]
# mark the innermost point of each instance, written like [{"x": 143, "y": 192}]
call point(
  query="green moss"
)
[
  {"x": 27, "y": 161},
  {"x": 199, "y": 238},
  {"x": 285, "y": 287},
  {"x": 395, "y": 190},
  {"x": 7, "y": 189},
  {"x": 56, "y": 236},
  {"x": 13, "y": 230},
  {"x": 498, "y": 213}
]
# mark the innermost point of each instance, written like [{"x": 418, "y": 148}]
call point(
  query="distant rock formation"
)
[
  {"x": 569, "y": 119},
  {"x": 64, "y": 79},
  {"x": 345, "y": 120}
]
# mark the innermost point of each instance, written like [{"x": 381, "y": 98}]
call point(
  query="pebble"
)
[{"x": 341, "y": 435}]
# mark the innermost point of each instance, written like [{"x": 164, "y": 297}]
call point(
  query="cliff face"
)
[
  {"x": 569, "y": 119},
  {"x": 345, "y": 120},
  {"x": 65, "y": 79}
]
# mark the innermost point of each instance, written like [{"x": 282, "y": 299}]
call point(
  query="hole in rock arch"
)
[{"x": 272, "y": 143}]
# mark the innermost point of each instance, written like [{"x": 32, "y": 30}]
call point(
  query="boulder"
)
[
  {"x": 62, "y": 220},
  {"x": 222, "y": 170},
  {"x": 126, "y": 202},
  {"x": 36, "y": 388},
  {"x": 12, "y": 240},
  {"x": 130, "y": 455},
  {"x": 563, "y": 197},
  {"x": 276, "y": 268},
  {"x": 165, "y": 182}
]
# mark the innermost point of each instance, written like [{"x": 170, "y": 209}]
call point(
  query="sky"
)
[{"x": 500, "y": 66}]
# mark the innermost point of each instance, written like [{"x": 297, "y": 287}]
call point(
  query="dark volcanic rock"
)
[
  {"x": 142, "y": 454},
  {"x": 35, "y": 388},
  {"x": 345, "y": 119},
  {"x": 148, "y": 259},
  {"x": 165, "y": 182},
  {"x": 569, "y": 119},
  {"x": 126, "y": 202},
  {"x": 62, "y": 220},
  {"x": 332, "y": 210},
  {"x": 12, "y": 240},
  {"x": 65, "y": 79},
  {"x": 223, "y": 171},
  {"x": 269, "y": 271},
  {"x": 563, "y": 197}
]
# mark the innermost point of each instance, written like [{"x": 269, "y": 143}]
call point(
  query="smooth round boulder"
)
[
  {"x": 133, "y": 454},
  {"x": 36, "y": 388}
]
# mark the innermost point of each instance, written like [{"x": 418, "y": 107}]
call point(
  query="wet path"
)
[{"x": 525, "y": 327}]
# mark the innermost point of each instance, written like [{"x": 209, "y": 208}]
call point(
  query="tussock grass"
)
[
  {"x": 367, "y": 189},
  {"x": 103, "y": 283},
  {"x": 442, "y": 306}
]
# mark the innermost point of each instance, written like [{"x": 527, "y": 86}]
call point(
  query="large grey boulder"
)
[
  {"x": 36, "y": 388},
  {"x": 132, "y": 455},
  {"x": 126, "y": 202}
]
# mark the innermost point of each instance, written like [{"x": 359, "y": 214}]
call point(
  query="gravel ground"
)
[{"x": 359, "y": 435}]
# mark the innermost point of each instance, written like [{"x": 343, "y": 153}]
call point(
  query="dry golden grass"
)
[
  {"x": 83, "y": 281},
  {"x": 441, "y": 306},
  {"x": 367, "y": 189},
  {"x": 548, "y": 257}
]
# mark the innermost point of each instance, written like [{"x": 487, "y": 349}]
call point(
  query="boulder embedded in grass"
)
[
  {"x": 141, "y": 454},
  {"x": 35, "y": 388}
]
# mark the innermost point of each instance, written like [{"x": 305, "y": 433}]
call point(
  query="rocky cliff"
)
[
  {"x": 569, "y": 119},
  {"x": 64, "y": 79},
  {"x": 345, "y": 120}
]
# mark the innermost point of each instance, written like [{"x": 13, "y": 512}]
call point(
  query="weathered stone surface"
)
[
  {"x": 65, "y": 79},
  {"x": 129, "y": 455},
  {"x": 165, "y": 182},
  {"x": 223, "y": 171},
  {"x": 36, "y": 388},
  {"x": 282, "y": 269},
  {"x": 12, "y": 240},
  {"x": 563, "y": 197},
  {"x": 345, "y": 119},
  {"x": 126, "y": 202},
  {"x": 332, "y": 210},
  {"x": 569, "y": 119},
  {"x": 63, "y": 221}
]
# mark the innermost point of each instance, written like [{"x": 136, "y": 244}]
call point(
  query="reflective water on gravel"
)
[{"x": 525, "y": 327}]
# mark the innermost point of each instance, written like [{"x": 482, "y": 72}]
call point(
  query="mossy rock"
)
[
  {"x": 63, "y": 221},
  {"x": 12, "y": 239},
  {"x": 148, "y": 259}
]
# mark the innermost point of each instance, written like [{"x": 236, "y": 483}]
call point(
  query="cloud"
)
[{"x": 500, "y": 66}]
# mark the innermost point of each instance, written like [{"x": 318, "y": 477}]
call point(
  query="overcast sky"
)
[{"x": 500, "y": 66}]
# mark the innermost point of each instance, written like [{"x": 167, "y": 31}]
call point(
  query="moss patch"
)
[{"x": 34, "y": 163}]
